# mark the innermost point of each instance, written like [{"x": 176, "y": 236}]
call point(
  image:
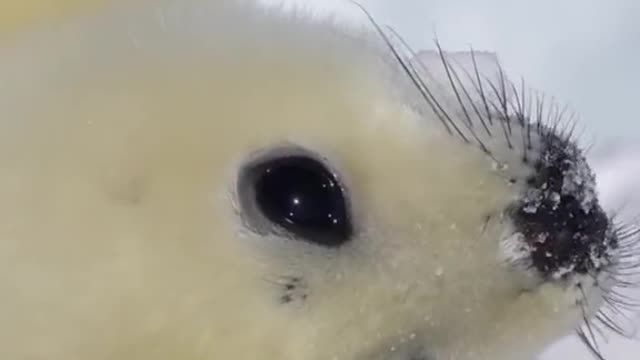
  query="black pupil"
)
[{"x": 301, "y": 195}]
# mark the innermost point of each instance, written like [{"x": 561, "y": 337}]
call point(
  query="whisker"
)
[
  {"x": 457, "y": 94},
  {"x": 504, "y": 115},
  {"x": 468, "y": 96},
  {"x": 589, "y": 345},
  {"x": 482, "y": 93},
  {"x": 408, "y": 70},
  {"x": 590, "y": 340},
  {"x": 424, "y": 90}
]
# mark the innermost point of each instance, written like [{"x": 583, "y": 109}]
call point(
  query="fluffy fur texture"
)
[{"x": 122, "y": 235}]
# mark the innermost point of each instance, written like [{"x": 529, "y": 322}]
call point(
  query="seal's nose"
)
[
  {"x": 565, "y": 228},
  {"x": 563, "y": 243}
]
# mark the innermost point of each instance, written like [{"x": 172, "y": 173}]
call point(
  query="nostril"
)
[
  {"x": 564, "y": 239},
  {"x": 563, "y": 244},
  {"x": 565, "y": 229},
  {"x": 550, "y": 251}
]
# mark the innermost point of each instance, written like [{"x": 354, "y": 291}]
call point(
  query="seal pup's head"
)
[{"x": 212, "y": 180}]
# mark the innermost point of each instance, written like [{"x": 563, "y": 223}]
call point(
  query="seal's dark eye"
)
[{"x": 300, "y": 195}]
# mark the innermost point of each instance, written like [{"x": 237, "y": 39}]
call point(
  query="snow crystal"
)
[{"x": 579, "y": 182}]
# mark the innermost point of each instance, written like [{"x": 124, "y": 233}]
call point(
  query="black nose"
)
[{"x": 559, "y": 217}]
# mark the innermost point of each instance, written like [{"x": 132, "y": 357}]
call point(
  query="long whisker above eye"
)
[
  {"x": 410, "y": 71},
  {"x": 451, "y": 73},
  {"x": 502, "y": 109},
  {"x": 468, "y": 96},
  {"x": 449, "y": 70}
]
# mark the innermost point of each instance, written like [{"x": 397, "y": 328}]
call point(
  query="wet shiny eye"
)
[{"x": 300, "y": 195}]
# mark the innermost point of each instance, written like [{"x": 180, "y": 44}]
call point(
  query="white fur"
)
[{"x": 120, "y": 140}]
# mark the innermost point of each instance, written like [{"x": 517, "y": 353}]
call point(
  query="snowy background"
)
[{"x": 584, "y": 52}]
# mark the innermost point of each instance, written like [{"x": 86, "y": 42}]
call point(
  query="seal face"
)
[{"x": 199, "y": 179}]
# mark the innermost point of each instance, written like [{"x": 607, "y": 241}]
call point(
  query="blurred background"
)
[{"x": 584, "y": 52}]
